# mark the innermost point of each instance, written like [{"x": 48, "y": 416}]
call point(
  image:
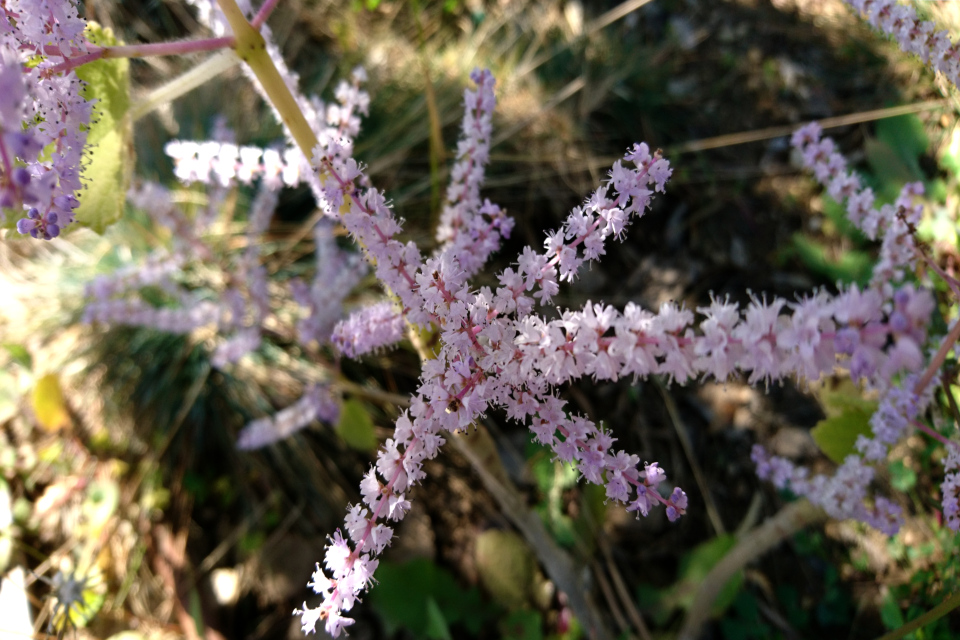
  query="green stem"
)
[
  {"x": 933, "y": 615},
  {"x": 252, "y": 49}
]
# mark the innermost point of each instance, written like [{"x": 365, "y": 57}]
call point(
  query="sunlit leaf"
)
[
  {"x": 48, "y": 403},
  {"x": 102, "y": 499},
  {"x": 19, "y": 354},
  {"x": 110, "y": 160}
]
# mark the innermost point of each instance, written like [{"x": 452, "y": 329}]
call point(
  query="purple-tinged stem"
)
[
  {"x": 265, "y": 10},
  {"x": 181, "y": 47},
  {"x": 938, "y": 359},
  {"x": 950, "y": 280},
  {"x": 936, "y": 436}
]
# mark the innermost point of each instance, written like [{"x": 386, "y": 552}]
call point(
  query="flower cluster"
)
[
  {"x": 471, "y": 229},
  {"x": 893, "y": 224},
  {"x": 42, "y": 108},
  {"x": 479, "y": 364},
  {"x": 951, "y": 488},
  {"x": 842, "y": 495},
  {"x": 495, "y": 349},
  {"x": 368, "y": 329},
  {"x": 316, "y": 403},
  {"x": 913, "y": 35}
]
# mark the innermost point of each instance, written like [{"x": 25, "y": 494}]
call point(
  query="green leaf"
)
[
  {"x": 836, "y": 213},
  {"x": 437, "y": 628},
  {"x": 950, "y": 159},
  {"x": 746, "y": 624},
  {"x": 108, "y": 171},
  {"x": 836, "y": 398},
  {"x": 20, "y": 355},
  {"x": 902, "y": 477},
  {"x": 101, "y": 502},
  {"x": 522, "y": 625},
  {"x": 851, "y": 266},
  {"x": 939, "y": 227},
  {"x": 506, "y": 567},
  {"x": 356, "y": 427},
  {"x": 906, "y": 136},
  {"x": 694, "y": 567},
  {"x": 403, "y": 597},
  {"x": 837, "y": 435}
]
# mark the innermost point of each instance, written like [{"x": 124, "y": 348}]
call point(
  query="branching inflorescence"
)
[
  {"x": 41, "y": 109},
  {"x": 495, "y": 349}
]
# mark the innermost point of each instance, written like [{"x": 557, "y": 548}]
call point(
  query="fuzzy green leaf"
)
[{"x": 108, "y": 171}]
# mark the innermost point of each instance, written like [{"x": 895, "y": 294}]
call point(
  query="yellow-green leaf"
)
[
  {"x": 48, "y": 404},
  {"x": 102, "y": 499},
  {"x": 110, "y": 149},
  {"x": 837, "y": 435},
  {"x": 836, "y": 397},
  {"x": 507, "y": 567},
  {"x": 356, "y": 427}
]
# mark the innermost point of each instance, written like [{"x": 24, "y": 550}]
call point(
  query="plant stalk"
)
[{"x": 252, "y": 49}]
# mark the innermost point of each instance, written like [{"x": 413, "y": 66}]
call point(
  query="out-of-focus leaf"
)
[
  {"x": 437, "y": 628},
  {"x": 404, "y": 592},
  {"x": 890, "y": 170},
  {"x": 356, "y": 427},
  {"x": 839, "y": 396},
  {"x": 48, "y": 404},
  {"x": 746, "y": 624},
  {"x": 103, "y": 497},
  {"x": 939, "y": 227},
  {"x": 848, "y": 416},
  {"x": 694, "y": 567},
  {"x": 6, "y": 520},
  {"x": 905, "y": 135},
  {"x": 902, "y": 477},
  {"x": 522, "y": 625},
  {"x": 9, "y": 396},
  {"x": 110, "y": 162},
  {"x": 836, "y": 213},
  {"x": 851, "y": 266},
  {"x": 837, "y": 436},
  {"x": 20, "y": 355},
  {"x": 506, "y": 567},
  {"x": 950, "y": 158}
]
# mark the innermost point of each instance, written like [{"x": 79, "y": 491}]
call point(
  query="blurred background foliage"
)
[{"x": 117, "y": 445}]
